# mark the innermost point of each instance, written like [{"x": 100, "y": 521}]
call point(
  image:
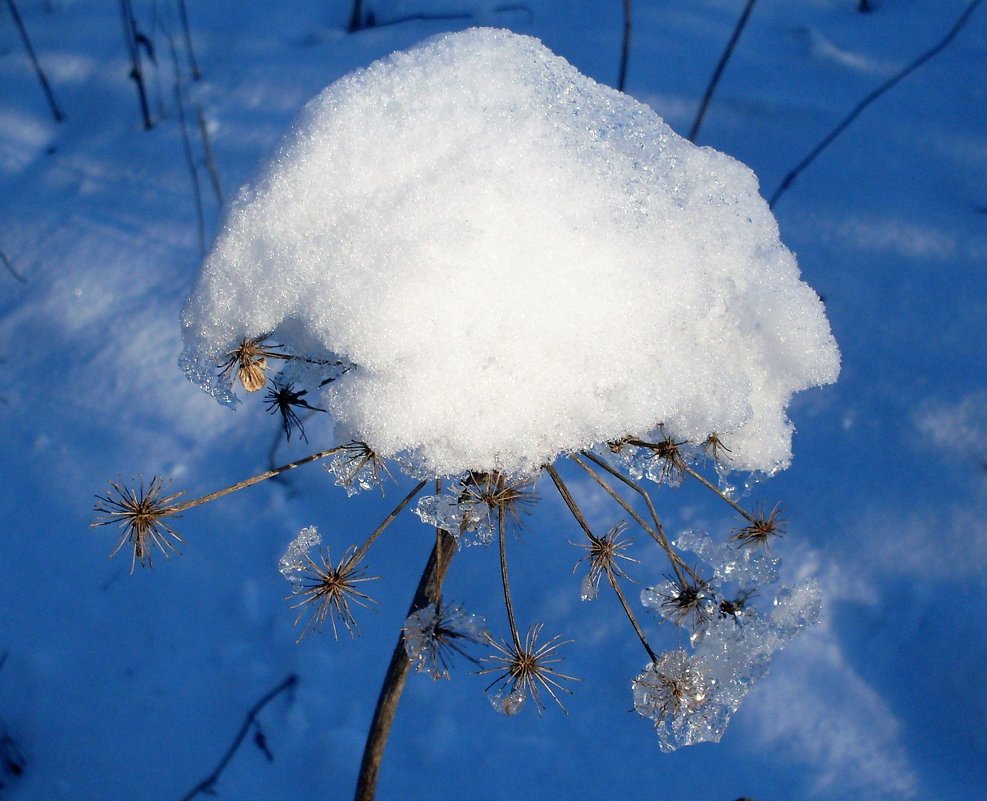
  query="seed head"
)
[
  {"x": 437, "y": 631},
  {"x": 250, "y": 360},
  {"x": 761, "y": 529},
  {"x": 139, "y": 512},
  {"x": 526, "y": 671},
  {"x": 283, "y": 399},
  {"x": 326, "y": 592},
  {"x": 603, "y": 554}
]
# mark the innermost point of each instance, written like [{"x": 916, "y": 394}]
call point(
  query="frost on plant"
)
[
  {"x": 436, "y": 632},
  {"x": 493, "y": 273}
]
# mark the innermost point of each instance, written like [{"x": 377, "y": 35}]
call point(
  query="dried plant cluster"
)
[{"x": 717, "y": 606}]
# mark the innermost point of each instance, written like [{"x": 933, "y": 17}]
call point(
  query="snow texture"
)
[{"x": 517, "y": 261}]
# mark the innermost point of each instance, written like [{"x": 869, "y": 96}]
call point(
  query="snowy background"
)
[{"x": 123, "y": 687}]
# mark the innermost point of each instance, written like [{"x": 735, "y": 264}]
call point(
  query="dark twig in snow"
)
[
  {"x": 186, "y": 34},
  {"x": 200, "y": 220},
  {"x": 359, "y": 21},
  {"x": 828, "y": 139},
  {"x": 134, "y": 38},
  {"x": 625, "y": 48},
  {"x": 56, "y": 112},
  {"x": 10, "y": 267},
  {"x": 207, "y": 151},
  {"x": 208, "y": 785},
  {"x": 718, "y": 72}
]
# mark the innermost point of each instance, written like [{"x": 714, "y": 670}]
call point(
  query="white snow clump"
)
[{"x": 516, "y": 262}]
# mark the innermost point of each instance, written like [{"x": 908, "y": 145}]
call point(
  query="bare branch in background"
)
[
  {"x": 10, "y": 268},
  {"x": 718, "y": 72},
  {"x": 208, "y": 785},
  {"x": 187, "y": 35},
  {"x": 625, "y": 48},
  {"x": 56, "y": 112},
  {"x": 135, "y": 39},
  {"x": 829, "y": 138}
]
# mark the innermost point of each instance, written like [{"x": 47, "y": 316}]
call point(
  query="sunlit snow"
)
[{"x": 517, "y": 261}]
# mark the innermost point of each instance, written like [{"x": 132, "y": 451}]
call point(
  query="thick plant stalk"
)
[{"x": 397, "y": 671}]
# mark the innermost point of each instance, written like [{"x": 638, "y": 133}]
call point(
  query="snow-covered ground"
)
[{"x": 122, "y": 687}]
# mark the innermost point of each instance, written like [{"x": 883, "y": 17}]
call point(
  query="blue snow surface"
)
[{"x": 116, "y": 686}]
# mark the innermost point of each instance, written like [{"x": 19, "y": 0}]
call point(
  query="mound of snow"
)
[{"x": 517, "y": 261}]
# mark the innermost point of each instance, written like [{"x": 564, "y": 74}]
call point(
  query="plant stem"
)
[
  {"x": 56, "y": 112},
  {"x": 718, "y": 72},
  {"x": 625, "y": 49},
  {"x": 397, "y": 671},
  {"x": 249, "y": 482}
]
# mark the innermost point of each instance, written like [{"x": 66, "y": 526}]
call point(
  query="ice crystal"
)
[
  {"x": 294, "y": 561},
  {"x": 436, "y": 631}
]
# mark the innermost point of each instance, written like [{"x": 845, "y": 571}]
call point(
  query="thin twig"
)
[
  {"x": 674, "y": 558},
  {"x": 711, "y": 486},
  {"x": 132, "y": 37},
  {"x": 208, "y": 152},
  {"x": 362, "y": 551},
  {"x": 828, "y": 139},
  {"x": 249, "y": 482},
  {"x": 429, "y": 588},
  {"x": 625, "y": 47},
  {"x": 659, "y": 528},
  {"x": 208, "y": 785},
  {"x": 187, "y": 35},
  {"x": 570, "y": 502},
  {"x": 10, "y": 267},
  {"x": 56, "y": 112},
  {"x": 612, "y": 580},
  {"x": 505, "y": 582},
  {"x": 200, "y": 218},
  {"x": 718, "y": 72}
]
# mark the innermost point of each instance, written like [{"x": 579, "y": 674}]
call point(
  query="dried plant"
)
[
  {"x": 525, "y": 670},
  {"x": 140, "y": 512},
  {"x": 760, "y": 529},
  {"x": 325, "y": 592},
  {"x": 708, "y": 592}
]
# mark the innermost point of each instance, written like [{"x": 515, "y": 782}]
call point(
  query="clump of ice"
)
[
  {"x": 295, "y": 561},
  {"x": 516, "y": 261}
]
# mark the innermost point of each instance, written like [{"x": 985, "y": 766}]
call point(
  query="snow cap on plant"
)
[{"x": 516, "y": 262}]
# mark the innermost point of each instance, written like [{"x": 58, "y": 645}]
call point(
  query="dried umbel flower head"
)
[
  {"x": 525, "y": 670},
  {"x": 359, "y": 467},
  {"x": 675, "y": 693},
  {"x": 437, "y": 631},
  {"x": 603, "y": 554},
  {"x": 140, "y": 512},
  {"x": 498, "y": 493},
  {"x": 682, "y": 600},
  {"x": 250, "y": 360},
  {"x": 283, "y": 399},
  {"x": 326, "y": 592},
  {"x": 760, "y": 529}
]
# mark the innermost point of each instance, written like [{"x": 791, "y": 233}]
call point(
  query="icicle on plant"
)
[{"x": 521, "y": 276}]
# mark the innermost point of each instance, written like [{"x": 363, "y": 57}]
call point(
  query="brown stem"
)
[
  {"x": 387, "y": 521},
  {"x": 612, "y": 579},
  {"x": 674, "y": 558},
  {"x": 397, "y": 671},
  {"x": 504, "y": 581},
  {"x": 570, "y": 502},
  {"x": 711, "y": 486},
  {"x": 249, "y": 482}
]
